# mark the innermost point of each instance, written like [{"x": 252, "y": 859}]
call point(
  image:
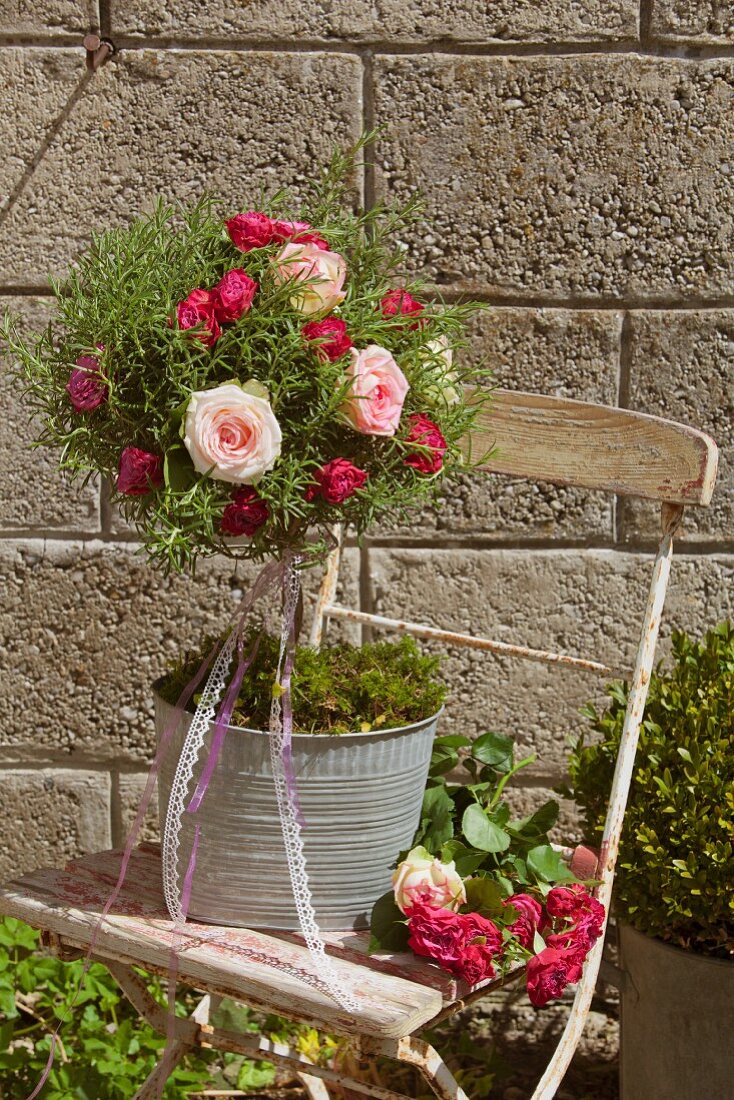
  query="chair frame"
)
[{"x": 542, "y": 438}]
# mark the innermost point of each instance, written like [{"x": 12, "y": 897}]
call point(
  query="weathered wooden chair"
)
[{"x": 541, "y": 438}]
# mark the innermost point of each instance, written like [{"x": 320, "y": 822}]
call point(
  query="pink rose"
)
[
  {"x": 378, "y": 387},
  {"x": 231, "y": 433},
  {"x": 418, "y": 880},
  {"x": 319, "y": 276},
  {"x": 85, "y": 388},
  {"x": 246, "y": 514},
  {"x": 337, "y": 481},
  {"x": 301, "y": 232},
  {"x": 139, "y": 472},
  {"x": 331, "y": 334},
  {"x": 399, "y": 303},
  {"x": 549, "y": 972},
  {"x": 197, "y": 312},
  {"x": 233, "y": 295},
  {"x": 250, "y": 230},
  {"x": 529, "y": 919},
  {"x": 427, "y": 434}
]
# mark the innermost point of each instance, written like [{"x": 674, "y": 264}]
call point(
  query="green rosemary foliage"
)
[
  {"x": 339, "y": 689},
  {"x": 123, "y": 294}
]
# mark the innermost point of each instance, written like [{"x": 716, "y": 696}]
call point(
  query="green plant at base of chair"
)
[{"x": 675, "y": 874}]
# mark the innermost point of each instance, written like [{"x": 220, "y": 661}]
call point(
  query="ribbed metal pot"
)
[{"x": 360, "y": 794}]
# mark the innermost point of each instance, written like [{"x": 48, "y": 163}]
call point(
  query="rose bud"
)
[
  {"x": 425, "y": 432},
  {"x": 233, "y": 295},
  {"x": 300, "y": 232},
  {"x": 400, "y": 303},
  {"x": 331, "y": 334},
  {"x": 246, "y": 514},
  {"x": 197, "y": 312},
  {"x": 251, "y": 230},
  {"x": 139, "y": 473},
  {"x": 337, "y": 481},
  {"x": 85, "y": 388}
]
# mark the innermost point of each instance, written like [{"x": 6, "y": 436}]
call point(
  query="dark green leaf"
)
[{"x": 481, "y": 832}]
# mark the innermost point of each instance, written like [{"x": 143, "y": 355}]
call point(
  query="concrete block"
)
[
  {"x": 700, "y": 21},
  {"x": 130, "y": 790},
  {"x": 33, "y": 493},
  {"x": 54, "y": 17},
  {"x": 585, "y": 176},
  {"x": 585, "y": 603},
  {"x": 165, "y": 123},
  {"x": 682, "y": 368},
  {"x": 359, "y": 20},
  {"x": 555, "y": 351},
  {"x": 51, "y": 816},
  {"x": 85, "y": 630}
]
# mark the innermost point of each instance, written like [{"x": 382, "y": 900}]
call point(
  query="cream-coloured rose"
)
[
  {"x": 320, "y": 272},
  {"x": 445, "y": 388},
  {"x": 428, "y": 881},
  {"x": 231, "y": 433}
]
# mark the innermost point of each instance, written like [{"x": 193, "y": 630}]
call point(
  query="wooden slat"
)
[
  {"x": 259, "y": 968},
  {"x": 594, "y": 447}
]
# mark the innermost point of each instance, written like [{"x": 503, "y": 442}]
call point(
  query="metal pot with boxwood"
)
[{"x": 674, "y": 891}]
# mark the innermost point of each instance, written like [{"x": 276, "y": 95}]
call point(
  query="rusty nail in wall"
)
[{"x": 98, "y": 50}]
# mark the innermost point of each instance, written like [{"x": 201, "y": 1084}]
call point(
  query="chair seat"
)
[{"x": 270, "y": 970}]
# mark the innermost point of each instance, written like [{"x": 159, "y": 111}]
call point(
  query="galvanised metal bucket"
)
[{"x": 360, "y": 794}]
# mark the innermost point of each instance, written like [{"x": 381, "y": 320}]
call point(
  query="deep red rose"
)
[
  {"x": 139, "y": 472},
  {"x": 399, "y": 303},
  {"x": 424, "y": 431},
  {"x": 337, "y": 481},
  {"x": 332, "y": 335},
  {"x": 436, "y": 934},
  {"x": 299, "y": 233},
  {"x": 474, "y": 964},
  {"x": 480, "y": 929},
  {"x": 247, "y": 512},
  {"x": 549, "y": 972},
  {"x": 85, "y": 388},
  {"x": 198, "y": 310},
  {"x": 251, "y": 230},
  {"x": 529, "y": 919},
  {"x": 233, "y": 295},
  {"x": 568, "y": 901}
]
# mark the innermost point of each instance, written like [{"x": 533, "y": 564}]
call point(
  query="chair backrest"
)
[{"x": 593, "y": 447}]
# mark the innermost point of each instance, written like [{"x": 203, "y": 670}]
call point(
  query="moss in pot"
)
[{"x": 364, "y": 723}]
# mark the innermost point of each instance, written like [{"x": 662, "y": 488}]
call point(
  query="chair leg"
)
[{"x": 429, "y": 1063}]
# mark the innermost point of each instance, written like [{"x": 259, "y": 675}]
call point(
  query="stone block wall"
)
[{"x": 577, "y": 164}]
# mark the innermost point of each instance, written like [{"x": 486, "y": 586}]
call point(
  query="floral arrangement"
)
[
  {"x": 242, "y": 379},
  {"x": 480, "y": 893}
]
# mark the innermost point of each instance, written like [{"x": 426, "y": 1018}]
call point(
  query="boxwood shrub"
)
[{"x": 675, "y": 877}]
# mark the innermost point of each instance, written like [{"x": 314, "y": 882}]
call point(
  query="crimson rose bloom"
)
[
  {"x": 475, "y": 964},
  {"x": 139, "y": 472},
  {"x": 337, "y": 480},
  {"x": 233, "y": 295},
  {"x": 250, "y": 230},
  {"x": 529, "y": 920},
  {"x": 549, "y": 972},
  {"x": 333, "y": 336},
  {"x": 424, "y": 431},
  {"x": 198, "y": 310},
  {"x": 569, "y": 901},
  {"x": 85, "y": 388},
  {"x": 437, "y": 934},
  {"x": 247, "y": 512},
  {"x": 400, "y": 303}
]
